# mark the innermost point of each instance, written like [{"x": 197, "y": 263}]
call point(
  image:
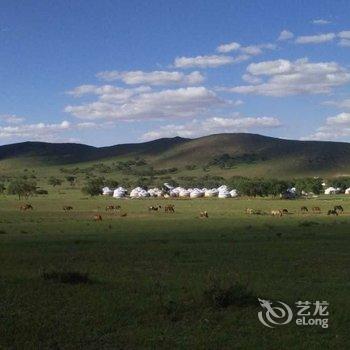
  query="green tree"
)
[
  {"x": 54, "y": 181},
  {"x": 93, "y": 187},
  {"x": 21, "y": 188}
]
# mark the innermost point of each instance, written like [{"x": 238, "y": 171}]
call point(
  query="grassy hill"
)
[{"x": 221, "y": 154}]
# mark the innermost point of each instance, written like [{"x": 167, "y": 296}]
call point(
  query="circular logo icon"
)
[{"x": 274, "y": 315}]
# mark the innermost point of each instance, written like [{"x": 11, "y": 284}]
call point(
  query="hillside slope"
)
[{"x": 247, "y": 154}]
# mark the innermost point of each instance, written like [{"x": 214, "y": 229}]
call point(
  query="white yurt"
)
[
  {"x": 119, "y": 192},
  {"x": 196, "y": 193},
  {"x": 175, "y": 192},
  {"x": 347, "y": 191},
  {"x": 211, "y": 193},
  {"x": 135, "y": 193},
  {"x": 155, "y": 192},
  {"x": 184, "y": 193},
  {"x": 106, "y": 191},
  {"x": 330, "y": 190},
  {"x": 234, "y": 193},
  {"x": 224, "y": 194}
]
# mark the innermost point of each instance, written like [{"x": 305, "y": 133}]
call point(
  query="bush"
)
[
  {"x": 93, "y": 187},
  {"x": 21, "y": 188},
  {"x": 221, "y": 293}
]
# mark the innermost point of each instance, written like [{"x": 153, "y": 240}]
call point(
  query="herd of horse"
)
[
  {"x": 170, "y": 208},
  {"x": 337, "y": 209}
]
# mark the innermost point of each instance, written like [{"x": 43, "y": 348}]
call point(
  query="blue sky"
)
[{"x": 109, "y": 72}]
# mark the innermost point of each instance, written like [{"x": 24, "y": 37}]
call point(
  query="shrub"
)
[{"x": 221, "y": 294}]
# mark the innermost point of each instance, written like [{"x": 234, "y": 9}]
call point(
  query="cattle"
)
[
  {"x": 203, "y": 214},
  {"x": 304, "y": 209},
  {"x": 169, "y": 208},
  {"x": 332, "y": 212},
  {"x": 97, "y": 217},
  {"x": 338, "y": 208},
  {"x": 25, "y": 207},
  {"x": 67, "y": 208},
  {"x": 316, "y": 210},
  {"x": 276, "y": 212}
]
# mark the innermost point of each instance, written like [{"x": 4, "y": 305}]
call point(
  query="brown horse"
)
[
  {"x": 97, "y": 217},
  {"x": 169, "y": 208},
  {"x": 67, "y": 208},
  {"x": 25, "y": 207}
]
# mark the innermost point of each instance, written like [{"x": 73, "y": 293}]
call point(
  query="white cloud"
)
[
  {"x": 251, "y": 79},
  {"x": 197, "y": 128},
  {"x": 164, "y": 104},
  {"x": 315, "y": 39},
  {"x": 345, "y": 104},
  {"x": 344, "y": 42},
  {"x": 33, "y": 131},
  {"x": 203, "y": 61},
  {"x": 283, "y": 78},
  {"x": 335, "y": 128},
  {"x": 11, "y": 119},
  {"x": 285, "y": 35},
  {"x": 340, "y": 119},
  {"x": 345, "y": 34},
  {"x": 225, "y": 48},
  {"x": 321, "y": 21},
  {"x": 152, "y": 78}
]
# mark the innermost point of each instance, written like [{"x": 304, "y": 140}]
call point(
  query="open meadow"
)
[{"x": 157, "y": 280}]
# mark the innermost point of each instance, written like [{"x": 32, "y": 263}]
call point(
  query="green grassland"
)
[{"x": 150, "y": 274}]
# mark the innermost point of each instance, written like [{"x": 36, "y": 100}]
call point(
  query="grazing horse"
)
[
  {"x": 316, "y": 210},
  {"x": 97, "y": 217},
  {"x": 304, "y": 209},
  {"x": 251, "y": 211},
  {"x": 276, "y": 212},
  {"x": 332, "y": 212},
  {"x": 169, "y": 208},
  {"x": 67, "y": 208},
  {"x": 338, "y": 208},
  {"x": 154, "y": 208},
  {"x": 204, "y": 214},
  {"x": 25, "y": 207},
  {"x": 285, "y": 211}
]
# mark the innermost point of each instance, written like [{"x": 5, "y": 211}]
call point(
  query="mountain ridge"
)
[{"x": 269, "y": 154}]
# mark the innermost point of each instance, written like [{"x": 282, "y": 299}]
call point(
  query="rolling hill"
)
[{"x": 228, "y": 154}]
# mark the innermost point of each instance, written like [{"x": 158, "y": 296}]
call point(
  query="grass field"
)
[{"x": 153, "y": 280}]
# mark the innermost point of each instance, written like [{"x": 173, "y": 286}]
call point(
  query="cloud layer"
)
[
  {"x": 124, "y": 104},
  {"x": 283, "y": 77}
]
